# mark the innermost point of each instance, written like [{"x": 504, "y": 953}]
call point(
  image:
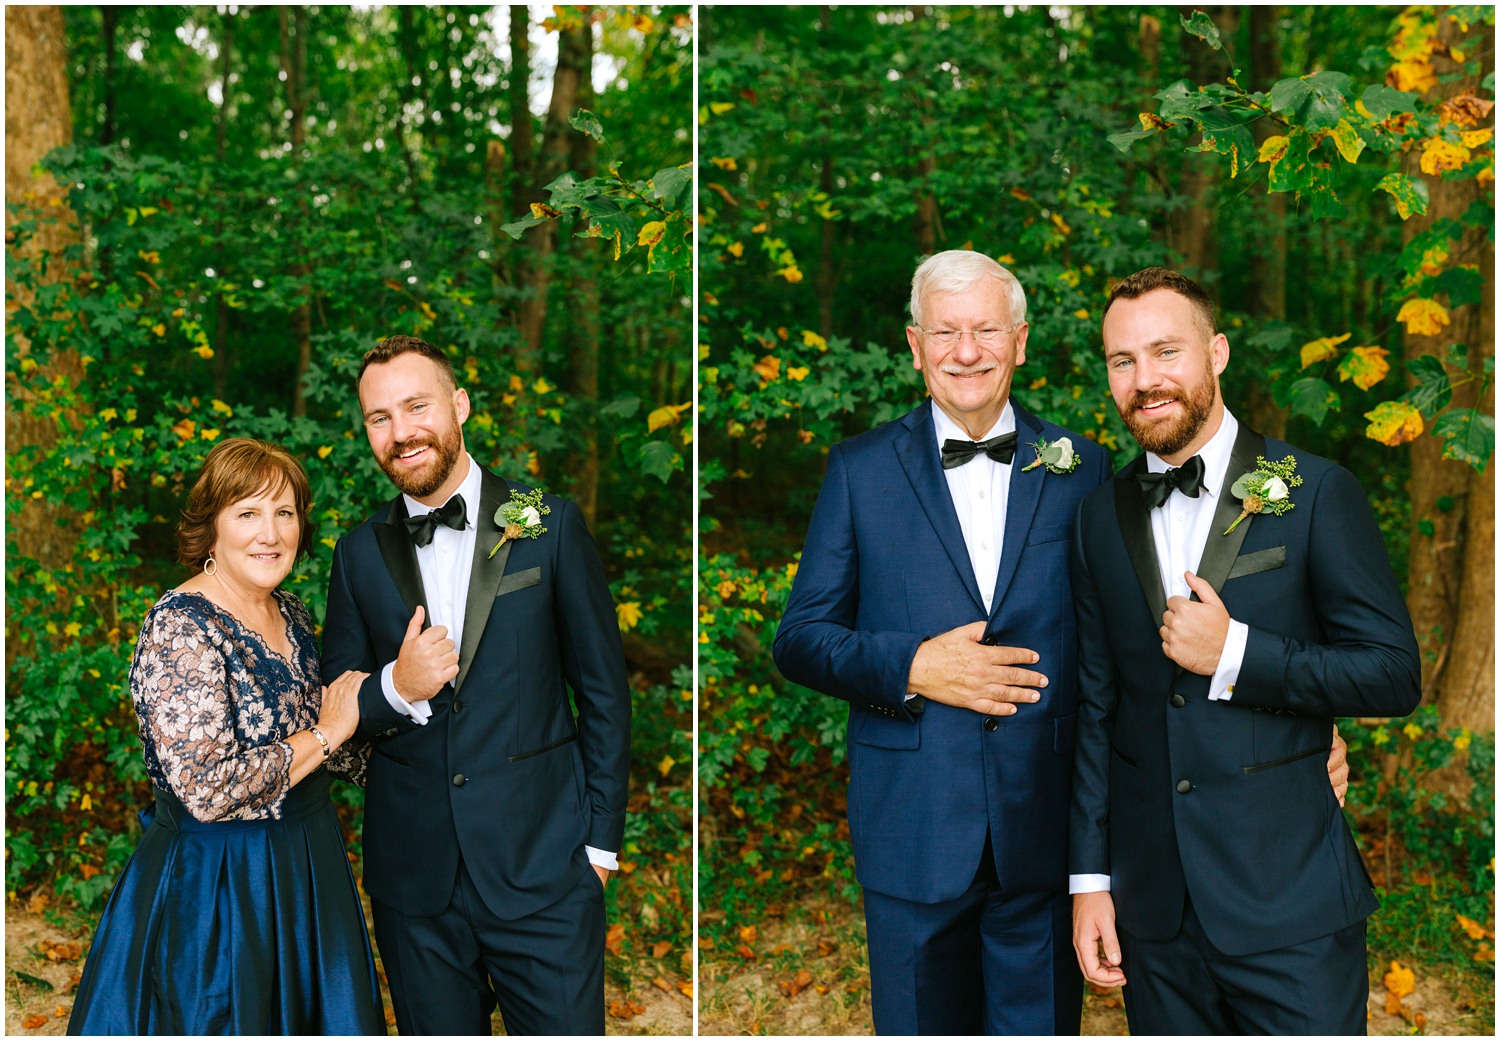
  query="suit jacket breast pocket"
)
[
  {"x": 532, "y": 576},
  {"x": 1049, "y": 533},
  {"x": 1255, "y": 563}
]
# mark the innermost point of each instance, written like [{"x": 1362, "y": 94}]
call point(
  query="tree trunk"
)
[
  {"x": 221, "y": 140},
  {"x": 583, "y": 341},
  {"x": 37, "y": 120},
  {"x": 294, "y": 64},
  {"x": 1190, "y": 228},
  {"x": 1451, "y": 583},
  {"x": 537, "y": 278},
  {"x": 924, "y": 224},
  {"x": 1268, "y": 247}
]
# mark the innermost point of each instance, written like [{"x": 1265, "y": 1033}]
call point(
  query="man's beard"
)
[
  {"x": 423, "y": 482},
  {"x": 1166, "y": 439}
]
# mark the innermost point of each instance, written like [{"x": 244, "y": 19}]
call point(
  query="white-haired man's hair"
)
[{"x": 956, "y": 270}]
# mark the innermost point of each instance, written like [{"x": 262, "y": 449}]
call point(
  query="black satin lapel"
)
[
  {"x": 400, "y": 558},
  {"x": 1020, "y": 505},
  {"x": 1220, "y": 553},
  {"x": 1135, "y": 529},
  {"x": 917, "y": 450},
  {"x": 485, "y": 573}
]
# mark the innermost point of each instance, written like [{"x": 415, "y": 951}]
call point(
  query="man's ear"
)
[
  {"x": 1219, "y": 347},
  {"x": 913, "y": 337},
  {"x": 461, "y": 405}
]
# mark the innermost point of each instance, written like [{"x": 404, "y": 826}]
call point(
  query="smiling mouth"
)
[
  {"x": 1155, "y": 407},
  {"x": 415, "y": 452}
]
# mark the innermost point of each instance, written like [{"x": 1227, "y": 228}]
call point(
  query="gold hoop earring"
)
[{"x": 210, "y": 566}]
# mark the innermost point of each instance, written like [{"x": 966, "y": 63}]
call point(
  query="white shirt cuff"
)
[
  {"x": 1221, "y": 687},
  {"x": 1088, "y": 883},
  {"x": 600, "y": 858},
  {"x": 419, "y": 711}
]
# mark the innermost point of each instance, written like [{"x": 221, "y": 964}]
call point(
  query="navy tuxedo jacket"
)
[
  {"x": 503, "y": 773},
  {"x": 1229, "y": 802},
  {"x": 884, "y": 568}
]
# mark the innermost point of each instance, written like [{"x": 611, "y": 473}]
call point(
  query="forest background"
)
[
  {"x": 1327, "y": 172},
  {"x": 212, "y": 213}
]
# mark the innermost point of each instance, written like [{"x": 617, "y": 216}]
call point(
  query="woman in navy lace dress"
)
[{"x": 238, "y": 913}]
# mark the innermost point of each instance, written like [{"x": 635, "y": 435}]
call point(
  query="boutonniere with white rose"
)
[
  {"x": 1266, "y": 489},
  {"x": 520, "y": 518},
  {"x": 1057, "y": 456}
]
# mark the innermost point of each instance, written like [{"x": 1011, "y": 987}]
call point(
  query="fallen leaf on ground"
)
[
  {"x": 32, "y": 1022},
  {"x": 614, "y": 937},
  {"x": 827, "y": 947},
  {"x": 1400, "y": 981},
  {"x": 1474, "y": 929},
  {"x": 625, "y": 1009},
  {"x": 796, "y": 985},
  {"x": 660, "y": 948},
  {"x": 661, "y": 984},
  {"x": 686, "y": 987}
]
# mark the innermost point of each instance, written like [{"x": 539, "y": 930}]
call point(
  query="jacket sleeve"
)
[
  {"x": 819, "y": 643},
  {"x": 1098, "y": 695},
  {"x": 1367, "y": 662},
  {"x": 593, "y": 662},
  {"x": 347, "y": 645}
]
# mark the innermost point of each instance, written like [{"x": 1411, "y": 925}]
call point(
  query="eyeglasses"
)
[{"x": 989, "y": 336}]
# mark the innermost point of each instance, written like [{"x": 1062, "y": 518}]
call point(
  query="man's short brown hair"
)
[
  {"x": 237, "y": 469},
  {"x": 395, "y": 346},
  {"x": 1152, "y": 278}
]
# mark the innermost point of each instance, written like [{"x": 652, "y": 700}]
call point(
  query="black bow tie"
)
[
  {"x": 1187, "y": 479},
  {"x": 451, "y": 514},
  {"x": 1002, "y": 449}
]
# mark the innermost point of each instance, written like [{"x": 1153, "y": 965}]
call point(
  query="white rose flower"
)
[
  {"x": 1276, "y": 490},
  {"x": 529, "y": 516},
  {"x": 1065, "y": 446}
]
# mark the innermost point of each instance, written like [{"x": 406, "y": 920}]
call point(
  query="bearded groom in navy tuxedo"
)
[
  {"x": 1234, "y": 596},
  {"x": 493, "y": 812}
]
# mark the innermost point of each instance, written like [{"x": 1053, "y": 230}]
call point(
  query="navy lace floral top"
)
[{"x": 215, "y": 706}]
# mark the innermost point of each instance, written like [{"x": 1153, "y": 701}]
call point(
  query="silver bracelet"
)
[{"x": 315, "y": 732}]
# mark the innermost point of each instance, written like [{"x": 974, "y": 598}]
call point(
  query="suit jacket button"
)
[
  {"x": 458, "y": 706},
  {"x": 459, "y": 779},
  {"x": 1184, "y": 786},
  {"x": 991, "y": 724},
  {"x": 1177, "y": 701}
]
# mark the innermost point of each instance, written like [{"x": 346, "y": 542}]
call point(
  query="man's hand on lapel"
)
[
  {"x": 427, "y": 660},
  {"x": 1193, "y": 632},
  {"x": 954, "y": 668}
]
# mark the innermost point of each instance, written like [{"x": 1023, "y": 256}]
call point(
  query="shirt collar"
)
[
  {"x": 1215, "y": 455},
  {"x": 469, "y": 490},
  {"x": 946, "y": 428}
]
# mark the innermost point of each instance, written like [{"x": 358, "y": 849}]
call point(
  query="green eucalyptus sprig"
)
[{"x": 1266, "y": 489}]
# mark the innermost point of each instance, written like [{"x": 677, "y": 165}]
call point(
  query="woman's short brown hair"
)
[{"x": 237, "y": 469}]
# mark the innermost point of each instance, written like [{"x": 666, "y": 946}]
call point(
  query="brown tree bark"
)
[
  {"x": 536, "y": 278},
  {"x": 924, "y": 225},
  {"x": 1268, "y": 253},
  {"x": 294, "y": 64},
  {"x": 1451, "y": 572},
  {"x": 584, "y": 346},
  {"x": 1190, "y": 228},
  {"x": 37, "y": 120}
]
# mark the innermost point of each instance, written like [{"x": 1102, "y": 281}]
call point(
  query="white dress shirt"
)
[
  {"x": 446, "y": 564},
  {"x": 980, "y": 490},
  {"x": 1180, "y": 529}
]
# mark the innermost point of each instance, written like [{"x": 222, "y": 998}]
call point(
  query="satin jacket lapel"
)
[
  {"x": 1220, "y": 553},
  {"x": 918, "y": 452},
  {"x": 486, "y": 571},
  {"x": 1021, "y": 502},
  {"x": 400, "y": 558},
  {"x": 1135, "y": 529}
]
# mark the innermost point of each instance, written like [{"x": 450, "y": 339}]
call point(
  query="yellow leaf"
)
[
  {"x": 1082, "y": 313},
  {"x": 797, "y": 373},
  {"x": 812, "y": 339},
  {"x": 427, "y": 310},
  {"x": 665, "y": 766},
  {"x": 1348, "y": 142},
  {"x": 651, "y": 233},
  {"x": 1272, "y": 149},
  {"x": 108, "y": 415},
  {"x": 1439, "y": 156},
  {"x": 86, "y": 803},
  {"x": 543, "y": 387},
  {"x": 209, "y": 434},
  {"x": 219, "y": 406},
  {"x": 718, "y": 108},
  {"x": 759, "y": 229},
  {"x": 72, "y": 629},
  {"x": 768, "y": 367},
  {"x": 159, "y": 329},
  {"x": 642, "y": 24},
  {"x": 1061, "y": 224},
  {"x": 329, "y": 541},
  {"x": 1475, "y": 138},
  {"x": 791, "y": 273},
  {"x": 1322, "y": 349},
  {"x": 1394, "y": 423},
  {"x": 1415, "y": 76},
  {"x": 724, "y": 162},
  {"x": 541, "y": 211},
  {"x": 1412, "y": 731},
  {"x": 1400, "y": 981},
  {"x": 628, "y": 615},
  {"x": 736, "y": 249},
  {"x": 204, "y": 351},
  {"x": 324, "y": 451},
  {"x": 1366, "y": 366},
  {"x": 665, "y": 416},
  {"x": 184, "y": 429},
  {"x": 1461, "y": 742},
  {"x": 1423, "y": 317},
  {"x": 1473, "y": 928}
]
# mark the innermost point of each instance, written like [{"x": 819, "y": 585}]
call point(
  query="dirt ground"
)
[
  {"x": 44, "y": 960},
  {"x": 765, "y": 995}
]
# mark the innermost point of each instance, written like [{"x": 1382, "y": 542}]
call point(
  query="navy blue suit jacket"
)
[
  {"x": 884, "y": 568},
  {"x": 537, "y": 785},
  {"x": 1229, "y": 801}
]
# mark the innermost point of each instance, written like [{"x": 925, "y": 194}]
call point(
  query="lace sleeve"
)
[
  {"x": 185, "y": 695},
  {"x": 351, "y": 761}
]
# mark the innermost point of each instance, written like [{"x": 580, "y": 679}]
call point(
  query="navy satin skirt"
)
[{"x": 236, "y": 927}]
